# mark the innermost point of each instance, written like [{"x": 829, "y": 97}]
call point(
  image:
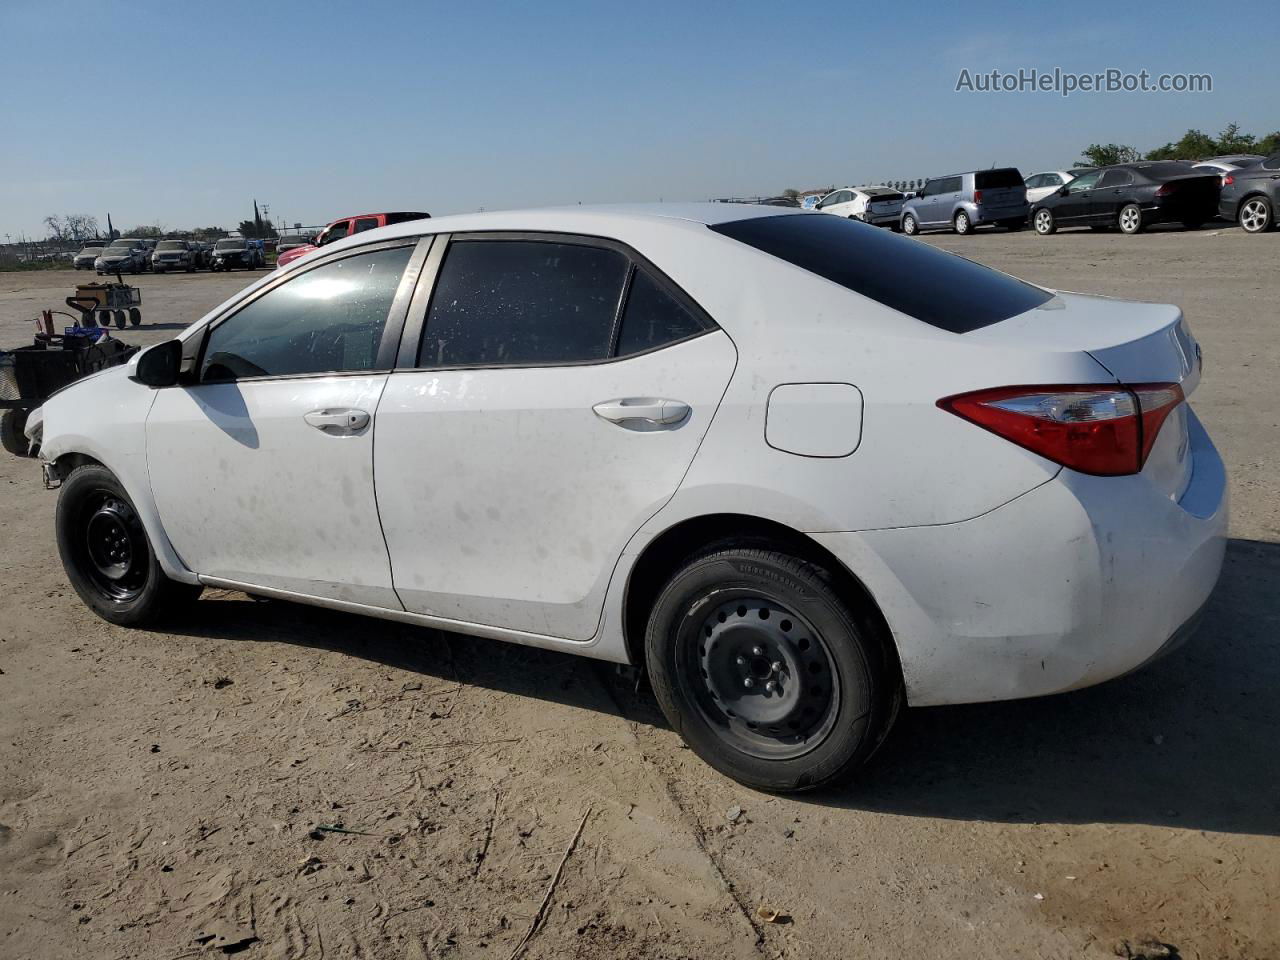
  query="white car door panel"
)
[
  {"x": 251, "y": 490},
  {"x": 507, "y": 495}
]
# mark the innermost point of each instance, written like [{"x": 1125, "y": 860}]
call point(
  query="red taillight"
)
[
  {"x": 977, "y": 196},
  {"x": 1228, "y": 180},
  {"x": 1166, "y": 188},
  {"x": 1099, "y": 429}
]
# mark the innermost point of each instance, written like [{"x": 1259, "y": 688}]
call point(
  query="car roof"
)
[{"x": 584, "y": 219}]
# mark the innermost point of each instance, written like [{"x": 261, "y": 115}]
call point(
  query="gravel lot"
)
[{"x": 161, "y": 788}]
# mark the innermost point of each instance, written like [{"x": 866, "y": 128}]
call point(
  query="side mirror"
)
[
  {"x": 159, "y": 366},
  {"x": 1063, "y": 191}
]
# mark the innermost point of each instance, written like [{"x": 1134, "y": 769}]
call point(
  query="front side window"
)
[
  {"x": 505, "y": 302},
  {"x": 334, "y": 232},
  {"x": 329, "y": 319},
  {"x": 1087, "y": 182}
]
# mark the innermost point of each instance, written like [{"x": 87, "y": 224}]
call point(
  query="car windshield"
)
[
  {"x": 937, "y": 288},
  {"x": 118, "y": 250},
  {"x": 171, "y": 245},
  {"x": 94, "y": 250},
  {"x": 230, "y": 245}
]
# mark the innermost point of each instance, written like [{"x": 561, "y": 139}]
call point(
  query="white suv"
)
[{"x": 772, "y": 457}]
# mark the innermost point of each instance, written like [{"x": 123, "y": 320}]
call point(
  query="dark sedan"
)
[
  {"x": 1130, "y": 196},
  {"x": 1251, "y": 195}
]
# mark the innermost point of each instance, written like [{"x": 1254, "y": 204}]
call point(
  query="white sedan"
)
[
  {"x": 881, "y": 206},
  {"x": 1040, "y": 185},
  {"x": 799, "y": 469}
]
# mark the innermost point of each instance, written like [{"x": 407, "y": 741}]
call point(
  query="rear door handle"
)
[
  {"x": 337, "y": 421},
  {"x": 643, "y": 413}
]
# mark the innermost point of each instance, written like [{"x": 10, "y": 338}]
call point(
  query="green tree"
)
[
  {"x": 1194, "y": 145},
  {"x": 1106, "y": 154},
  {"x": 791, "y": 193},
  {"x": 145, "y": 233},
  {"x": 1231, "y": 140},
  {"x": 1269, "y": 144},
  {"x": 260, "y": 230}
]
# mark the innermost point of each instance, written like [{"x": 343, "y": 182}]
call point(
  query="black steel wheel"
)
[
  {"x": 106, "y": 553},
  {"x": 769, "y": 672},
  {"x": 115, "y": 546},
  {"x": 766, "y": 686}
]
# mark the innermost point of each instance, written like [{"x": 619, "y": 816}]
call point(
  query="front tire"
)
[
  {"x": 106, "y": 553},
  {"x": 961, "y": 224},
  {"x": 767, "y": 673},
  {"x": 1044, "y": 222},
  {"x": 12, "y": 423},
  {"x": 909, "y": 225},
  {"x": 1256, "y": 215},
  {"x": 1130, "y": 219}
]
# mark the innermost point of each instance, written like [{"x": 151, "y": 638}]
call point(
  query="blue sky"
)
[{"x": 324, "y": 108}]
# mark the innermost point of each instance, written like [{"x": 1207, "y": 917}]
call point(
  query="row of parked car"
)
[
  {"x": 1129, "y": 197},
  {"x": 136, "y": 255}
]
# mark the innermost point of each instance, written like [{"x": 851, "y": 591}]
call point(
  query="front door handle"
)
[
  {"x": 337, "y": 422},
  {"x": 643, "y": 413}
]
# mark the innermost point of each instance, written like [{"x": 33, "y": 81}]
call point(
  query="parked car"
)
[
  {"x": 285, "y": 244},
  {"x": 961, "y": 202},
  {"x": 89, "y": 253},
  {"x": 1040, "y": 185},
  {"x": 1251, "y": 195},
  {"x": 881, "y": 206},
  {"x": 344, "y": 228},
  {"x": 1132, "y": 197},
  {"x": 173, "y": 255},
  {"x": 630, "y": 460},
  {"x": 231, "y": 253},
  {"x": 122, "y": 256}
]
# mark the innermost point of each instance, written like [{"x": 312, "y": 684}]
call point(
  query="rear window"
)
[
  {"x": 994, "y": 179},
  {"x": 1164, "y": 171},
  {"x": 940, "y": 289}
]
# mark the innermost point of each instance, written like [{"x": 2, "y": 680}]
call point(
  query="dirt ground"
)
[{"x": 298, "y": 783}]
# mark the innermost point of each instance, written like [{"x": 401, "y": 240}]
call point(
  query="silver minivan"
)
[{"x": 963, "y": 201}]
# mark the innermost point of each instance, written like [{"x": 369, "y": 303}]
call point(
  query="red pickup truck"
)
[{"x": 345, "y": 227}]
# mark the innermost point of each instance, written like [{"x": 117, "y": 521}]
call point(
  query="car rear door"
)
[
  {"x": 556, "y": 395},
  {"x": 262, "y": 464},
  {"x": 1111, "y": 193}
]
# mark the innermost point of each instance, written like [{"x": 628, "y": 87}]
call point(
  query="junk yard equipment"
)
[
  {"x": 101, "y": 304},
  {"x": 29, "y": 375}
]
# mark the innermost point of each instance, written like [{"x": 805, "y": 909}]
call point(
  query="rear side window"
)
[
  {"x": 1272, "y": 162},
  {"x": 909, "y": 276},
  {"x": 365, "y": 223},
  {"x": 326, "y": 320},
  {"x": 652, "y": 318},
  {"x": 1115, "y": 178},
  {"x": 994, "y": 179},
  {"x": 501, "y": 302},
  {"x": 1163, "y": 171}
]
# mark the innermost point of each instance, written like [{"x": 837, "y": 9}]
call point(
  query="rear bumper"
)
[
  {"x": 985, "y": 214},
  {"x": 1078, "y": 581}
]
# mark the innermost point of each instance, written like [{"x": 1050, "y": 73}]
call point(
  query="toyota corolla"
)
[{"x": 800, "y": 470}]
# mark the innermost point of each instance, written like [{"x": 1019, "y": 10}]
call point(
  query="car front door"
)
[
  {"x": 924, "y": 201},
  {"x": 262, "y": 465},
  {"x": 559, "y": 392},
  {"x": 1077, "y": 204}
]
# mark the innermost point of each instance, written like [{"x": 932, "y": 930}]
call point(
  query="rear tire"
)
[
  {"x": 767, "y": 673},
  {"x": 1044, "y": 222},
  {"x": 121, "y": 319},
  {"x": 961, "y": 224},
  {"x": 106, "y": 553},
  {"x": 12, "y": 422},
  {"x": 1130, "y": 219},
  {"x": 135, "y": 316},
  {"x": 1256, "y": 215}
]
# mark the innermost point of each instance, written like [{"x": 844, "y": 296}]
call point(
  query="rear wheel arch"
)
[{"x": 666, "y": 552}]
